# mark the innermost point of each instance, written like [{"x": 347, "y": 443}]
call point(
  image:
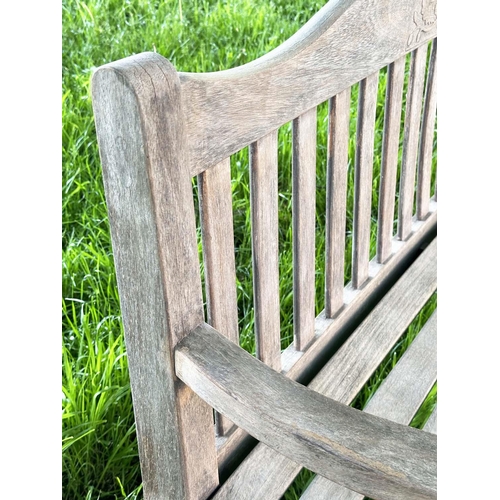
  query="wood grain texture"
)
[
  {"x": 427, "y": 137},
  {"x": 366, "y": 453},
  {"x": 389, "y": 165},
  {"x": 431, "y": 424},
  {"x": 363, "y": 176},
  {"x": 304, "y": 226},
  {"x": 216, "y": 216},
  {"x": 342, "y": 377},
  {"x": 140, "y": 129},
  {"x": 346, "y": 41},
  {"x": 411, "y": 140},
  {"x": 339, "y": 110},
  {"x": 397, "y": 399},
  {"x": 264, "y": 209},
  {"x": 330, "y": 331}
]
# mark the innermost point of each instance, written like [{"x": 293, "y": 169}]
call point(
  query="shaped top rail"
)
[{"x": 344, "y": 42}]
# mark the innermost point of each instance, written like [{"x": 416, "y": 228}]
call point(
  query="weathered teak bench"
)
[{"x": 158, "y": 128}]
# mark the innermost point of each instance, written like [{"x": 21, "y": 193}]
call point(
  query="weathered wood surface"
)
[
  {"x": 369, "y": 454},
  {"x": 427, "y": 137},
  {"x": 397, "y": 399},
  {"x": 389, "y": 165},
  {"x": 150, "y": 205},
  {"x": 339, "y": 110},
  {"x": 266, "y": 474},
  {"x": 363, "y": 176},
  {"x": 216, "y": 216},
  {"x": 329, "y": 330},
  {"x": 346, "y": 41},
  {"x": 304, "y": 226},
  {"x": 411, "y": 140},
  {"x": 264, "y": 209}
]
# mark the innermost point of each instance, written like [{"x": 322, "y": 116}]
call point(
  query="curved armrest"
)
[{"x": 367, "y": 454}]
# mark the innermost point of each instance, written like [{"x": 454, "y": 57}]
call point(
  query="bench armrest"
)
[{"x": 368, "y": 454}]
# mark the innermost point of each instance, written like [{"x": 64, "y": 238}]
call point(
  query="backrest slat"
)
[
  {"x": 304, "y": 226},
  {"x": 216, "y": 216},
  {"x": 427, "y": 137},
  {"x": 363, "y": 179},
  {"x": 339, "y": 110},
  {"x": 411, "y": 140},
  {"x": 264, "y": 209},
  {"x": 389, "y": 165}
]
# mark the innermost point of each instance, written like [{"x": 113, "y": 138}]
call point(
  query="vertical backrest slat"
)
[
  {"x": 153, "y": 226},
  {"x": 216, "y": 216},
  {"x": 427, "y": 138},
  {"x": 264, "y": 209},
  {"x": 304, "y": 226},
  {"x": 363, "y": 179},
  {"x": 339, "y": 108},
  {"x": 389, "y": 166},
  {"x": 410, "y": 140}
]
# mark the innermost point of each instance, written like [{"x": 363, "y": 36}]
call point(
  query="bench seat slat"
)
[
  {"x": 342, "y": 377},
  {"x": 397, "y": 399},
  {"x": 264, "y": 209}
]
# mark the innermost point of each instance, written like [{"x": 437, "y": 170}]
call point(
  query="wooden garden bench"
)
[{"x": 157, "y": 129}]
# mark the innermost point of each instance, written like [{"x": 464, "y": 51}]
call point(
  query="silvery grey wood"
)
[
  {"x": 410, "y": 140},
  {"x": 427, "y": 137},
  {"x": 264, "y": 208},
  {"x": 216, "y": 216},
  {"x": 328, "y": 330},
  {"x": 366, "y": 453},
  {"x": 342, "y": 377},
  {"x": 346, "y": 41},
  {"x": 397, "y": 399},
  {"x": 304, "y": 226},
  {"x": 150, "y": 205},
  {"x": 431, "y": 424},
  {"x": 363, "y": 173},
  {"x": 157, "y": 128},
  {"x": 339, "y": 110},
  {"x": 389, "y": 165}
]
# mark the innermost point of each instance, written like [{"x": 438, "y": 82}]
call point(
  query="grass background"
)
[{"x": 100, "y": 457}]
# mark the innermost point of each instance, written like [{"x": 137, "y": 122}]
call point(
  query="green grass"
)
[{"x": 100, "y": 458}]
